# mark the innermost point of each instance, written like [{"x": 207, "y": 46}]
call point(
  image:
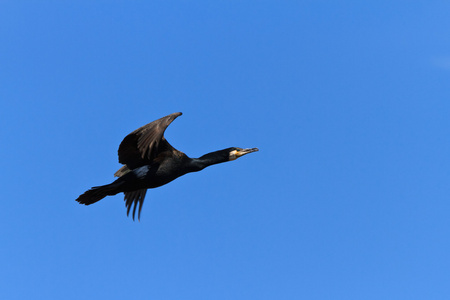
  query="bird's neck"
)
[{"x": 217, "y": 157}]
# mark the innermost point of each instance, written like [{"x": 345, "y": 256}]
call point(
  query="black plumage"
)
[{"x": 150, "y": 161}]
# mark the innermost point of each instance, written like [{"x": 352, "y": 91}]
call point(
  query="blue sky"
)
[{"x": 348, "y": 101}]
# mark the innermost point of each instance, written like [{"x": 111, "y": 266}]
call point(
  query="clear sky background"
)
[{"x": 348, "y": 101}]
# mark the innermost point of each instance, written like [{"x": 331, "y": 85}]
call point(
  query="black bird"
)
[{"x": 150, "y": 161}]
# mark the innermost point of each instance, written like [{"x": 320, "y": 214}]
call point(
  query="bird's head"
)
[
  {"x": 217, "y": 157},
  {"x": 235, "y": 152}
]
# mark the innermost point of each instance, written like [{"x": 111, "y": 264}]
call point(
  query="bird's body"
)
[
  {"x": 150, "y": 162},
  {"x": 156, "y": 174}
]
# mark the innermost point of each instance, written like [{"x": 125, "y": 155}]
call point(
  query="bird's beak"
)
[{"x": 246, "y": 151}]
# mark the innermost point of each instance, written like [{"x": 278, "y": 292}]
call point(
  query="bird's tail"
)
[{"x": 97, "y": 193}]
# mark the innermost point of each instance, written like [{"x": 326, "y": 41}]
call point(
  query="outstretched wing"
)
[{"x": 142, "y": 145}]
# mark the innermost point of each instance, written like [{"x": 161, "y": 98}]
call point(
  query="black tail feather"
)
[{"x": 97, "y": 193}]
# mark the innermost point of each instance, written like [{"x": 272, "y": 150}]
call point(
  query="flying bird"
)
[{"x": 150, "y": 161}]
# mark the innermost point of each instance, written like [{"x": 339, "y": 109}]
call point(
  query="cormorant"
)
[{"x": 150, "y": 161}]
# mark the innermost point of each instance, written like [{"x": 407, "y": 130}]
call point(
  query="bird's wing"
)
[
  {"x": 142, "y": 145},
  {"x": 135, "y": 197},
  {"x": 122, "y": 171}
]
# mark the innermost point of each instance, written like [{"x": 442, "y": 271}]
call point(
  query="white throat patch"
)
[{"x": 233, "y": 155}]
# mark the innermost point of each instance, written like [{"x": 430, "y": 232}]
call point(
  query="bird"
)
[{"x": 149, "y": 161}]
